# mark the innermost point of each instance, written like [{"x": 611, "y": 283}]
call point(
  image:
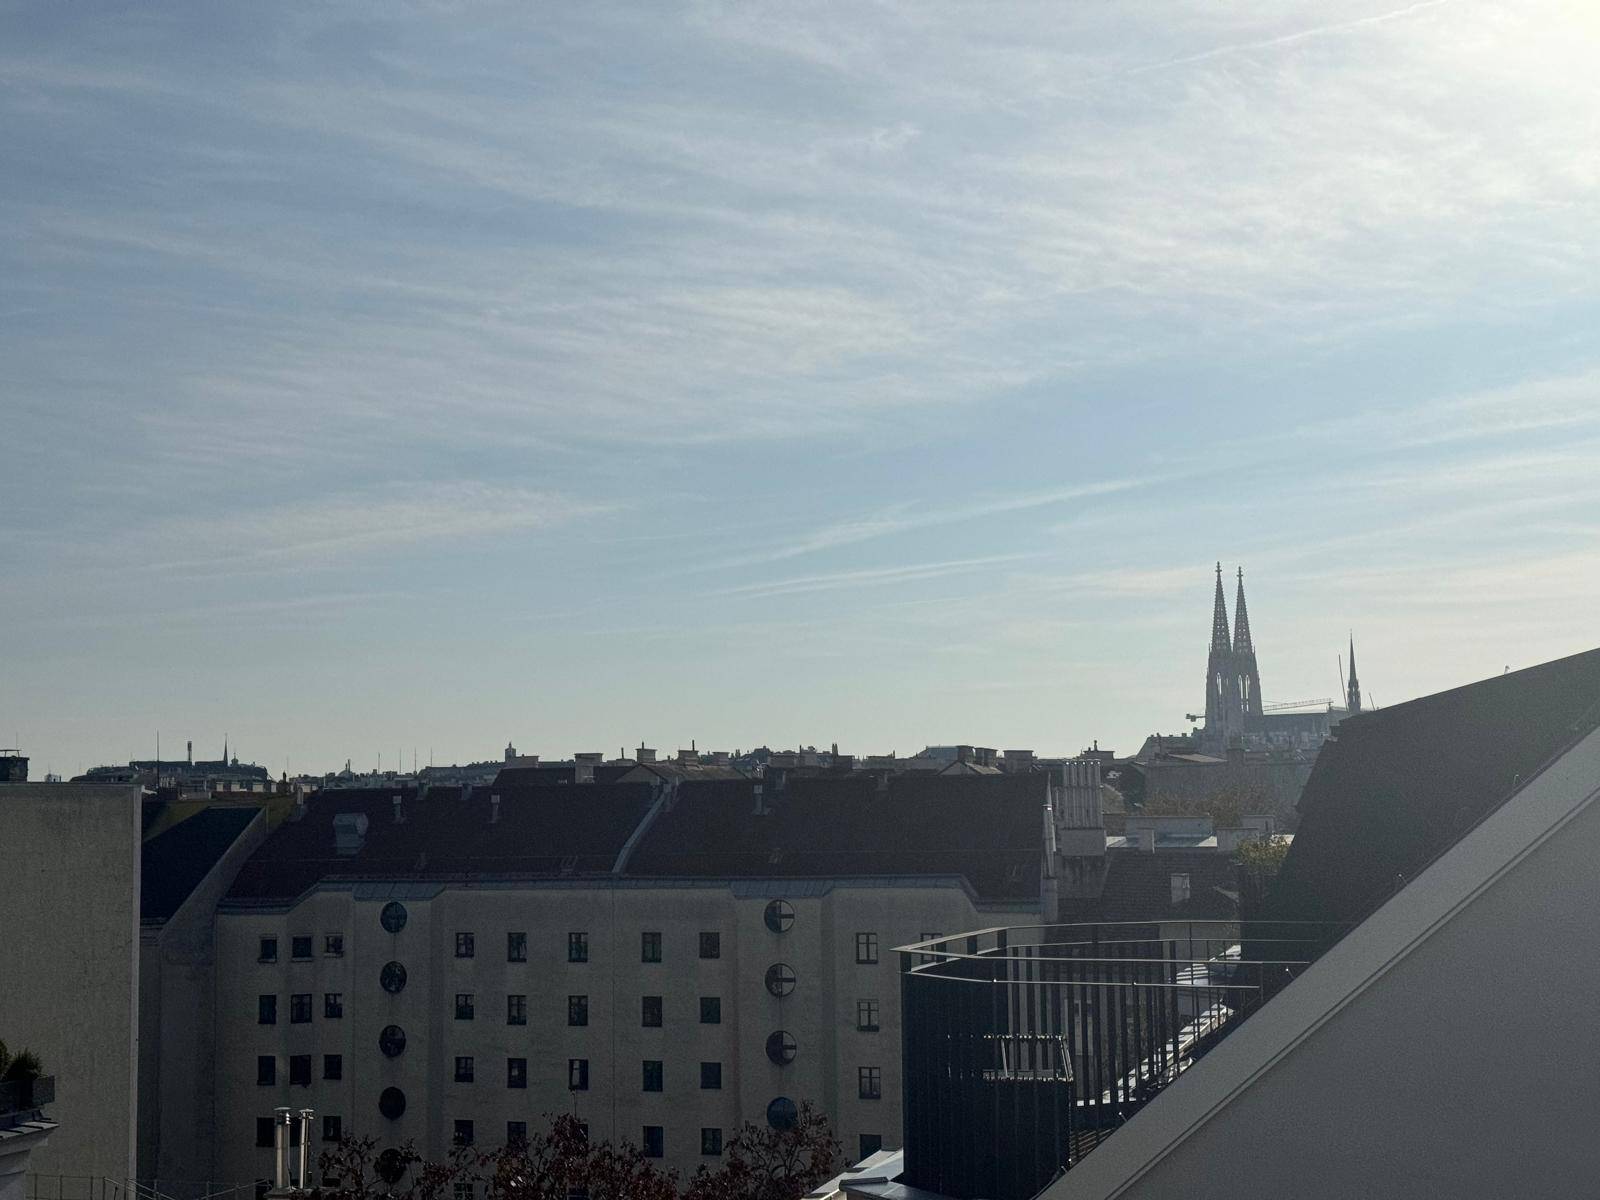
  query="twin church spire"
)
[{"x": 1233, "y": 680}]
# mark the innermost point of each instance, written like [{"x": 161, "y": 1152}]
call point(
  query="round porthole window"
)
[
  {"x": 393, "y": 977},
  {"x": 391, "y": 1163},
  {"x": 781, "y": 1047},
  {"x": 392, "y": 1103},
  {"x": 779, "y": 916},
  {"x": 780, "y": 979},
  {"x": 782, "y": 1114},
  {"x": 393, "y": 916},
  {"x": 392, "y": 1041}
]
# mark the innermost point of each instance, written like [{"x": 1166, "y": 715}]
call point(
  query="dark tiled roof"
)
[
  {"x": 542, "y": 830},
  {"x": 1139, "y": 888},
  {"x": 1397, "y": 787},
  {"x": 987, "y": 829},
  {"x": 176, "y": 860}
]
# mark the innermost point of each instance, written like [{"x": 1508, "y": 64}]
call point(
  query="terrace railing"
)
[{"x": 1025, "y": 1047}]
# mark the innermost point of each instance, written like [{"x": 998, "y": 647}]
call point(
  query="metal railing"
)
[
  {"x": 38, "y": 1186},
  {"x": 1025, "y": 1047}
]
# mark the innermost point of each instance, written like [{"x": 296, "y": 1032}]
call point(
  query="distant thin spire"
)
[
  {"x": 1353, "y": 690},
  {"x": 1241, "y": 629},
  {"x": 1220, "y": 642}
]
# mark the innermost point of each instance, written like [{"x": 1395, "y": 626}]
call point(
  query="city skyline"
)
[{"x": 890, "y": 377}]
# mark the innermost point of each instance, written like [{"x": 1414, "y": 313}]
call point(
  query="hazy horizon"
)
[{"x": 887, "y": 374}]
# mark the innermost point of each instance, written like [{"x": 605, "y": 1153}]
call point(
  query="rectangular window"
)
[
  {"x": 299, "y": 1008},
  {"x": 466, "y": 945},
  {"x": 266, "y": 1070},
  {"x": 266, "y": 1010},
  {"x": 577, "y": 1074},
  {"x": 463, "y": 1189},
  {"x": 463, "y": 1134},
  {"x": 464, "y": 1009},
  {"x": 516, "y": 947},
  {"x": 711, "y": 1076},
  {"x": 654, "y": 1142},
  {"x": 577, "y": 947},
  {"x": 300, "y": 946},
  {"x": 268, "y": 951},
  {"x": 516, "y": 1072},
  {"x": 871, "y": 1143},
  {"x": 650, "y": 1011},
  {"x": 264, "y": 1132},
  {"x": 869, "y": 1083},
  {"x": 928, "y": 937},
  {"x": 650, "y": 947},
  {"x": 711, "y": 947},
  {"x": 1180, "y": 888},
  {"x": 867, "y": 1016},
  {"x": 711, "y": 1141},
  {"x": 464, "y": 1068},
  {"x": 332, "y": 1129},
  {"x": 333, "y": 1066},
  {"x": 711, "y": 1010},
  {"x": 577, "y": 1010},
  {"x": 866, "y": 948},
  {"x": 652, "y": 1075},
  {"x": 516, "y": 1133},
  {"x": 333, "y": 945},
  {"x": 300, "y": 1070},
  {"x": 516, "y": 1010},
  {"x": 333, "y": 1005}
]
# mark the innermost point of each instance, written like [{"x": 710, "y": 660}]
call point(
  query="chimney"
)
[
  {"x": 190, "y": 759},
  {"x": 494, "y": 810},
  {"x": 761, "y": 804},
  {"x": 646, "y": 755},
  {"x": 299, "y": 813},
  {"x": 399, "y": 812},
  {"x": 280, "y": 1150},
  {"x": 306, "y": 1114},
  {"x": 689, "y": 758},
  {"x": 583, "y": 766}
]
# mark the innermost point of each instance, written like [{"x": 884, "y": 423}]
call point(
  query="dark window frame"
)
[
  {"x": 650, "y": 948},
  {"x": 333, "y": 1006},
  {"x": 651, "y": 1012},
  {"x": 517, "y": 1073},
  {"x": 266, "y": 1070},
  {"x": 267, "y": 950},
  {"x": 302, "y": 942},
  {"x": 333, "y": 1066},
  {"x": 578, "y": 947},
  {"x": 710, "y": 940},
  {"x": 267, "y": 1009},
  {"x": 516, "y": 1008},
  {"x": 300, "y": 1008},
  {"x": 711, "y": 1010},
  {"x": 710, "y": 1141},
  {"x": 577, "y": 1074},
  {"x": 710, "y": 1076},
  {"x": 866, "y": 949},
  {"x": 516, "y": 946},
  {"x": 653, "y": 1071},
  {"x": 466, "y": 1006},
  {"x": 869, "y": 1083},
  {"x": 653, "y": 1143},
  {"x": 868, "y": 1015},
  {"x": 466, "y": 1069},
  {"x": 466, "y": 944},
  {"x": 577, "y": 1010}
]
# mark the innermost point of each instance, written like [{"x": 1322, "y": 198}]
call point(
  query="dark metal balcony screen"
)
[{"x": 1025, "y": 1047}]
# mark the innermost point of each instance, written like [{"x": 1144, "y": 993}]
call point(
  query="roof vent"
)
[{"x": 349, "y": 833}]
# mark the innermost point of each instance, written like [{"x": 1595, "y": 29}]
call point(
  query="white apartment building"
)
[{"x": 667, "y": 961}]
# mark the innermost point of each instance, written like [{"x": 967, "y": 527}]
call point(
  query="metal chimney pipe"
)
[
  {"x": 305, "y": 1143},
  {"x": 280, "y": 1148}
]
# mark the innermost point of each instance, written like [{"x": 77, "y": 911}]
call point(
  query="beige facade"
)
[
  {"x": 69, "y": 939},
  {"x": 820, "y": 1014}
]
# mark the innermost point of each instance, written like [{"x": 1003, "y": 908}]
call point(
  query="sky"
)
[{"x": 381, "y": 380}]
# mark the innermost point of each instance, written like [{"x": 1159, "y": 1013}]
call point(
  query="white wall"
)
[
  {"x": 821, "y": 1013},
  {"x": 69, "y": 942}
]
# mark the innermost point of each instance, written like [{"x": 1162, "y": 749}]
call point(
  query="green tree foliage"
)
[{"x": 758, "y": 1164}]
